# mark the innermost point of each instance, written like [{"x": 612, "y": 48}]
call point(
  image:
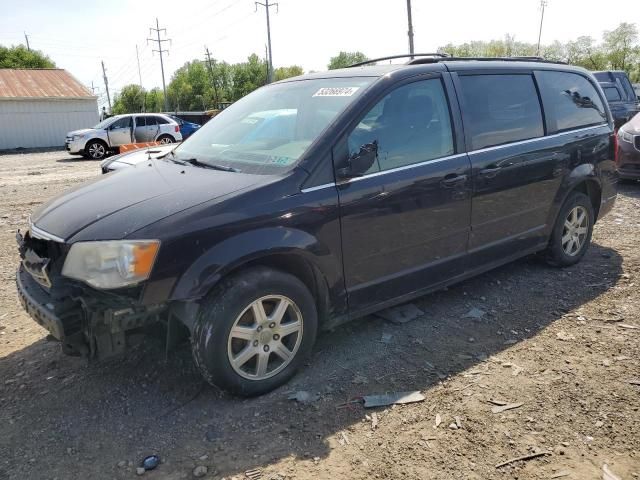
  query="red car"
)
[{"x": 629, "y": 149}]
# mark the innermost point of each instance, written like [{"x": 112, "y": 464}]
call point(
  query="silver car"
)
[{"x": 108, "y": 135}]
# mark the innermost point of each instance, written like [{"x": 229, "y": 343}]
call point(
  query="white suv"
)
[{"x": 108, "y": 135}]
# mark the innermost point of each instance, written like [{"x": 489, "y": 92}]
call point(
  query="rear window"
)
[
  {"x": 570, "y": 101},
  {"x": 612, "y": 94},
  {"x": 161, "y": 120},
  {"x": 500, "y": 109}
]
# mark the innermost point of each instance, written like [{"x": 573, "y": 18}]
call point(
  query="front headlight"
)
[
  {"x": 111, "y": 264},
  {"x": 626, "y": 136},
  {"x": 77, "y": 137}
]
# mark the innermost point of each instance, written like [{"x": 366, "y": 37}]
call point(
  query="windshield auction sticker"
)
[{"x": 336, "y": 92}]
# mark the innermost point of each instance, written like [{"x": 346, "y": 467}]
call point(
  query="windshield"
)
[
  {"x": 267, "y": 131},
  {"x": 105, "y": 123}
]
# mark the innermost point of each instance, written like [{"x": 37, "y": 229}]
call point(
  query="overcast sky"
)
[{"x": 78, "y": 34}]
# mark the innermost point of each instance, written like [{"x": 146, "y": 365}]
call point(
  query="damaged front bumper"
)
[{"x": 87, "y": 323}]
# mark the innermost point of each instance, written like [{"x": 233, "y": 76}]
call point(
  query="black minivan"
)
[{"x": 320, "y": 199}]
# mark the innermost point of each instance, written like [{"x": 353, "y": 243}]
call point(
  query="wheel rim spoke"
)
[
  {"x": 278, "y": 313},
  {"x": 289, "y": 328},
  {"x": 258, "y": 312},
  {"x": 244, "y": 356},
  {"x": 283, "y": 352},
  {"x": 263, "y": 364},
  {"x": 243, "y": 333},
  {"x": 566, "y": 239},
  {"x": 581, "y": 230}
]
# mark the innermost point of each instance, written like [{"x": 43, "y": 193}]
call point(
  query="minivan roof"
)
[{"x": 441, "y": 65}]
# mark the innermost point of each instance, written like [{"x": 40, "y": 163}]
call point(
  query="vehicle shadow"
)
[{"x": 84, "y": 421}]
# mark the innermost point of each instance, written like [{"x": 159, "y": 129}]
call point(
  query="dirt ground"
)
[{"x": 564, "y": 343}]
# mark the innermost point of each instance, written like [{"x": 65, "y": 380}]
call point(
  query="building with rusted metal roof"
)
[{"x": 38, "y": 106}]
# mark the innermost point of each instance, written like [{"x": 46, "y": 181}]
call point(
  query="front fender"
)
[{"x": 207, "y": 270}]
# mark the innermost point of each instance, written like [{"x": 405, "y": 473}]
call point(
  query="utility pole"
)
[
  {"x": 543, "y": 3},
  {"x": 161, "y": 51},
  {"x": 266, "y": 6},
  {"x": 93, "y": 89},
  {"x": 144, "y": 97},
  {"x": 106, "y": 85},
  {"x": 266, "y": 61},
  {"x": 213, "y": 81},
  {"x": 26, "y": 37},
  {"x": 410, "y": 32}
]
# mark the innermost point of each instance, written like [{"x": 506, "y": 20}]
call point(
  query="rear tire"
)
[
  {"x": 254, "y": 331},
  {"x": 571, "y": 235},
  {"x": 95, "y": 150},
  {"x": 165, "y": 139}
]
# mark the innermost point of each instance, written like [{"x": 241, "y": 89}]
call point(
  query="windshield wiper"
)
[{"x": 197, "y": 163}]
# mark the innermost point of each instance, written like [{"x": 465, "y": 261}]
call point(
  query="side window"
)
[
  {"x": 140, "y": 121},
  {"x": 570, "y": 101},
  {"x": 612, "y": 94},
  {"x": 164, "y": 121},
  {"x": 124, "y": 122},
  {"x": 152, "y": 121},
  {"x": 500, "y": 109},
  {"x": 411, "y": 124}
]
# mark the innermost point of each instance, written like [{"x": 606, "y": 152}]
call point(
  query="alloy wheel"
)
[
  {"x": 575, "y": 230},
  {"x": 96, "y": 150},
  {"x": 265, "y": 337}
]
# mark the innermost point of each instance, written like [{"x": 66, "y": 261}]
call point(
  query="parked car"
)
[
  {"x": 186, "y": 128},
  {"x": 629, "y": 149},
  {"x": 378, "y": 195},
  {"x": 623, "y": 99},
  {"x": 257, "y": 126},
  {"x": 97, "y": 142},
  {"x": 126, "y": 159}
]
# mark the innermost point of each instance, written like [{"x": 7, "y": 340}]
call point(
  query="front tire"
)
[
  {"x": 254, "y": 331},
  {"x": 572, "y": 232},
  {"x": 95, "y": 150}
]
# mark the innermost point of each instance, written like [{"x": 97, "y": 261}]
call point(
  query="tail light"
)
[{"x": 177, "y": 128}]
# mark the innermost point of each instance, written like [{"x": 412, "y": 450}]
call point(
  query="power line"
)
[
  {"x": 410, "y": 32},
  {"x": 266, "y": 6},
  {"x": 160, "y": 51}
]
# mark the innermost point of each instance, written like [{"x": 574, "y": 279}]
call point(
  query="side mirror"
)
[{"x": 359, "y": 163}]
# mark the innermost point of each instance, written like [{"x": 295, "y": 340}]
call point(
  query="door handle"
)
[
  {"x": 490, "y": 172},
  {"x": 453, "y": 180}
]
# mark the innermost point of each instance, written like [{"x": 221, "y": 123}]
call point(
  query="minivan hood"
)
[
  {"x": 115, "y": 205},
  {"x": 82, "y": 131}
]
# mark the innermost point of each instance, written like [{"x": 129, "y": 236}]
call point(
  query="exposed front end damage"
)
[{"x": 88, "y": 322}]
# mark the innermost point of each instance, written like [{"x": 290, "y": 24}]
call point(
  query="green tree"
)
[
  {"x": 131, "y": 99},
  {"x": 20, "y": 57},
  {"x": 248, "y": 76},
  {"x": 345, "y": 59},
  {"x": 621, "y": 46},
  {"x": 190, "y": 87},
  {"x": 287, "y": 72},
  {"x": 154, "y": 100}
]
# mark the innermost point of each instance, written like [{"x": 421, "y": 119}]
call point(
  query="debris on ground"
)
[
  {"x": 627, "y": 326},
  {"x": 475, "y": 313},
  {"x": 397, "y": 398},
  {"x": 253, "y": 474},
  {"x": 401, "y": 314},
  {"x": 386, "y": 338},
  {"x": 560, "y": 474},
  {"x": 608, "y": 474},
  {"x": 564, "y": 336},
  {"x": 343, "y": 439},
  {"x": 523, "y": 457},
  {"x": 438, "y": 420},
  {"x": 304, "y": 397},
  {"x": 504, "y": 408},
  {"x": 150, "y": 462},
  {"x": 200, "y": 471},
  {"x": 140, "y": 471},
  {"x": 374, "y": 421}
]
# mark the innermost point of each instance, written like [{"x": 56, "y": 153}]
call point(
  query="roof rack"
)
[
  {"x": 444, "y": 57},
  {"x": 392, "y": 57},
  {"x": 418, "y": 61}
]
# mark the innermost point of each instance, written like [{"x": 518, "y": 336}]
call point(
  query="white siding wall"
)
[{"x": 43, "y": 123}]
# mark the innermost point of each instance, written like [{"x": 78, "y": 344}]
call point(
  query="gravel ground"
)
[{"x": 563, "y": 343}]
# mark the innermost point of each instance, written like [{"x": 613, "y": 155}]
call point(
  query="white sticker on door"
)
[{"x": 336, "y": 92}]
